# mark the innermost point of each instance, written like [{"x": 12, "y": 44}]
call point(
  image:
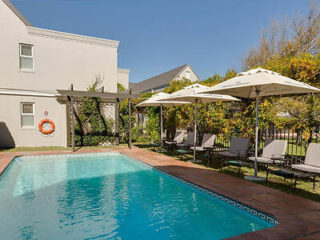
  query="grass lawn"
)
[
  {"x": 303, "y": 188},
  {"x": 33, "y": 149}
]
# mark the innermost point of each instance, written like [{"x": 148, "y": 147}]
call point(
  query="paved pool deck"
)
[{"x": 299, "y": 218}]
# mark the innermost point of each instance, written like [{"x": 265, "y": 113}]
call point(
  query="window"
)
[
  {"x": 26, "y": 57},
  {"x": 188, "y": 75},
  {"x": 27, "y": 114}
]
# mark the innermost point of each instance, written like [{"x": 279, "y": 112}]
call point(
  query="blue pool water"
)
[{"x": 109, "y": 196}]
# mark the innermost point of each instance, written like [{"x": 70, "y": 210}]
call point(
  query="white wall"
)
[
  {"x": 123, "y": 77},
  {"x": 59, "y": 58},
  {"x": 10, "y": 122}
]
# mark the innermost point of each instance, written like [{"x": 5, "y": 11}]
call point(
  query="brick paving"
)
[{"x": 299, "y": 218}]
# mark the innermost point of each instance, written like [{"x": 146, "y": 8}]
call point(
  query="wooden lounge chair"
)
[
  {"x": 207, "y": 142},
  {"x": 188, "y": 143},
  {"x": 206, "y": 146},
  {"x": 311, "y": 164},
  {"x": 178, "y": 138},
  {"x": 238, "y": 150},
  {"x": 273, "y": 153}
]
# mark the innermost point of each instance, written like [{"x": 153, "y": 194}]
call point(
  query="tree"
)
[{"x": 289, "y": 37}]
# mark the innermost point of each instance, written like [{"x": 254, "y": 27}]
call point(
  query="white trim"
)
[
  {"x": 23, "y": 92},
  {"x": 27, "y": 114},
  {"x": 71, "y": 37}
]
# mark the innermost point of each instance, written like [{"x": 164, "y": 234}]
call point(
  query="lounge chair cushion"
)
[
  {"x": 198, "y": 148},
  {"x": 239, "y": 146},
  {"x": 208, "y": 140},
  {"x": 306, "y": 168},
  {"x": 178, "y": 138},
  {"x": 190, "y": 138},
  {"x": 171, "y": 143},
  {"x": 274, "y": 148},
  {"x": 313, "y": 155}
]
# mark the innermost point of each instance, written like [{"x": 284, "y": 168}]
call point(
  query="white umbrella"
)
[
  {"x": 257, "y": 83},
  {"x": 192, "y": 94},
  {"x": 154, "y": 101}
]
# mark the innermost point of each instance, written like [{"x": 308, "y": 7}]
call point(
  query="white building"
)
[
  {"x": 161, "y": 81},
  {"x": 34, "y": 63}
]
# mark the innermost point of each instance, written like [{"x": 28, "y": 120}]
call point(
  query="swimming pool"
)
[{"x": 111, "y": 196}]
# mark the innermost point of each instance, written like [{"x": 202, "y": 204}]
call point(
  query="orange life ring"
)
[{"x": 44, "y": 121}]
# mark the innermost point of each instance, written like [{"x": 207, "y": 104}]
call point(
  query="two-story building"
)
[{"x": 34, "y": 63}]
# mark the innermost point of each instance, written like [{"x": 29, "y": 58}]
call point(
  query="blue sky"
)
[{"x": 158, "y": 35}]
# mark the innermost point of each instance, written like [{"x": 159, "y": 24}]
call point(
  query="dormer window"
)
[{"x": 26, "y": 57}]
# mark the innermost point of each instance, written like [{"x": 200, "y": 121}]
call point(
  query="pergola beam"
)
[{"x": 104, "y": 95}]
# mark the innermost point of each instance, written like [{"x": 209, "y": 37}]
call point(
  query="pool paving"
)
[{"x": 299, "y": 218}]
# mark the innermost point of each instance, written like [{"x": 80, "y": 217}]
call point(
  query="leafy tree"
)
[{"x": 120, "y": 88}]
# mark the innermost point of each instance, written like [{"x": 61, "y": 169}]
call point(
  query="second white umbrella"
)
[
  {"x": 154, "y": 101},
  {"x": 192, "y": 94}
]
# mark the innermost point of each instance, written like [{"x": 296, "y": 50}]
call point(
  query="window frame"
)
[
  {"x": 26, "y": 56},
  {"x": 27, "y": 114}
]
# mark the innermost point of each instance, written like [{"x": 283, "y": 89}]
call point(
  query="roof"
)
[
  {"x": 160, "y": 81},
  {"x": 16, "y": 12}
]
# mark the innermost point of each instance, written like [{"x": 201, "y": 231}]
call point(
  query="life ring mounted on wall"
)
[{"x": 46, "y": 131}]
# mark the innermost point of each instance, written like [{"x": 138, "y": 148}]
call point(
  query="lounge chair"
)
[
  {"x": 178, "y": 138},
  {"x": 238, "y": 150},
  {"x": 207, "y": 142},
  {"x": 311, "y": 164},
  {"x": 188, "y": 143},
  {"x": 273, "y": 152}
]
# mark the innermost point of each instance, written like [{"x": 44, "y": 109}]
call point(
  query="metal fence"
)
[{"x": 298, "y": 140}]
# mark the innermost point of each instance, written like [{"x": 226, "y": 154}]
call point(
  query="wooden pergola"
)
[{"x": 108, "y": 97}]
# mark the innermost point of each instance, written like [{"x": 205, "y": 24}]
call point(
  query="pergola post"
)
[
  {"x": 129, "y": 103},
  {"x": 116, "y": 124},
  {"x": 70, "y": 98}
]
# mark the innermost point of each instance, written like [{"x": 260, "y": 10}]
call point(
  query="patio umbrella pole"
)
[
  {"x": 257, "y": 135},
  {"x": 195, "y": 130},
  {"x": 161, "y": 127},
  {"x": 255, "y": 175}
]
